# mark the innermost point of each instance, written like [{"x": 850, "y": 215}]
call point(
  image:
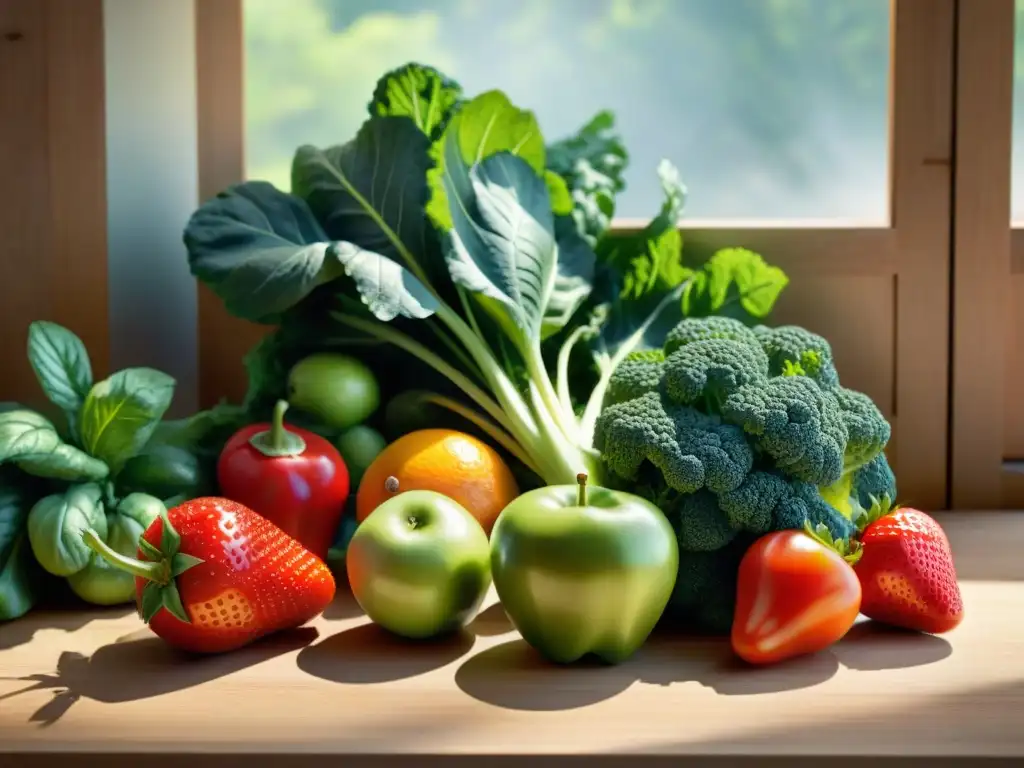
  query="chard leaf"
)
[
  {"x": 371, "y": 191},
  {"x": 418, "y": 92},
  {"x": 734, "y": 279},
  {"x": 574, "y": 277},
  {"x": 386, "y": 287},
  {"x": 259, "y": 249},
  {"x": 121, "y": 413},
  {"x": 501, "y": 246},
  {"x": 483, "y": 127},
  {"x": 61, "y": 364},
  {"x": 592, "y": 163}
]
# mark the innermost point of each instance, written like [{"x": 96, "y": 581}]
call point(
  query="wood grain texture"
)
[
  {"x": 921, "y": 113},
  {"x": 53, "y": 264},
  {"x": 220, "y": 73},
  {"x": 95, "y": 683},
  {"x": 981, "y": 274}
]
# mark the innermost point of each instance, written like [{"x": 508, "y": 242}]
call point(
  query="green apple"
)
[
  {"x": 419, "y": 565},
  {"x": 359, "y": 446},
  {"x": 583, "y": 570},
  {"x": 339, "y": 390}
]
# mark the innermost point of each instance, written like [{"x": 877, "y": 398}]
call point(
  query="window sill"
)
[{"x": 107, "y": 688}]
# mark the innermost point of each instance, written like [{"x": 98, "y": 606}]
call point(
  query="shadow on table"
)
[
  {"x": 490, "y": 622},
  {"x": 873, "y": 646},
  {"x": 371, "y": 654},
  {"x": 344, "y": 605},
  {"x": 142, "y": 666},
  {"x": 514, "y": 676}
]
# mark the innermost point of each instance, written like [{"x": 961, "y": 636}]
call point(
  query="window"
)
[{"x": 771, "y": 110}]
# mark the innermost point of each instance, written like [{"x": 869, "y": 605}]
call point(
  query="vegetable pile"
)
[{"x": 447, "y": 229}]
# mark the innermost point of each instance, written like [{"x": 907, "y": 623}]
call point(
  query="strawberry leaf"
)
[
  {"x": 151, "y": 601},
  {"x": 879, "y": 508},
  {"x": 151, "y": 552},
  {"x": 182, "y": 562},
  {"x": 171, "y": 600}
]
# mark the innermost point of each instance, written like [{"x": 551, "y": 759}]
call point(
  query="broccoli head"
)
[
  {"x": 698, "y": 329},
  {"x": 794, "y": 421},
  {"x": 690, "y": 448},
  {"x": 736, "y": 432},
  {"x": 795, "y": 350},
  {"x": 712, "y": 369}
]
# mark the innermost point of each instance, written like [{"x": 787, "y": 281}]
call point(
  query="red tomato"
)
[{"x": 794, "y": 596}]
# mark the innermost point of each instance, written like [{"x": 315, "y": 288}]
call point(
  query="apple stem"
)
[{"x": 581, "y": 492}]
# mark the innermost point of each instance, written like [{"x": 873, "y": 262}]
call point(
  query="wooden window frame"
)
[{"x": 913, "y": 250}]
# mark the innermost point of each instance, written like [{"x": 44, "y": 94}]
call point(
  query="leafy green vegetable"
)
[
  {"x": 21, "y": 579},
  {"x": 30, "y": 441},
  {"x": 462, "y": 239},
  {"x": 61, "y": 364},
  {"x": 121, "y": 412},
  {"x": 734, "y": 277},
  {"x": 56, "y": 523},
  {"x": 260, "y": 250}
]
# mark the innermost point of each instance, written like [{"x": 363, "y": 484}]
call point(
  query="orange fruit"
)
[{"x": 451, "y": 463}]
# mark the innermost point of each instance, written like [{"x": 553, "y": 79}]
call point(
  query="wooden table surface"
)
[{"x": 78, "y": 685}]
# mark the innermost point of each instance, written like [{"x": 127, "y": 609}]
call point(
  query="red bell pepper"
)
[
  {"x": 293, "y": 477},
  {"x": 212, "y": 576}
]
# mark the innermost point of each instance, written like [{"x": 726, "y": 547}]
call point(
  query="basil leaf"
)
[
  {"x": 259, "y": 249},
  {"x": 25, "y": 433},
  {"x": 501, "y": 246},
  {"x": 30, "y": 440},
  {"x": 61, "y": 364},
  {"x": 121, "y": 412},
  {"x": 20, "y": 575},
  {"x": 56, "y": 524},
  {"x": 386, "y": 287},
  {"x": 65, "y": 462}
]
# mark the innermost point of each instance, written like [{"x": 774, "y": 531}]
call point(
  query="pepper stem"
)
[
  {"x": 278, "y": 441},
  {"x": 157, "y": 572},
  {"x": 581, "y": 491}
]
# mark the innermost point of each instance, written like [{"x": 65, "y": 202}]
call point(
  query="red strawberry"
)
[
  {"x": 906, "y": 570},
  {"x": 215, "y": 576}
]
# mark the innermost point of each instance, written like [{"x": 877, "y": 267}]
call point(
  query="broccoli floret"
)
[
  {"x": 876, "y": 479},
  {"x": 750, "y": 506},
  {"x": 639, "y": 373},
  {"x": 692, "y": 450},
  {"x": 867, "y": 429},
  {"x": 712, "y": 369},
  {"x": 700, "y": 524},
  {"x": 793, "y": 350},
  {"x": 699, "y": 328},
  {"x": 796, "y": 423}
]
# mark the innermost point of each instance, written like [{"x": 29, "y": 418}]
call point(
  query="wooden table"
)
[{"x": 78, "y": 687}]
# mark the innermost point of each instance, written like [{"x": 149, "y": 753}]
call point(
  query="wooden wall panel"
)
[
  {"x": 982, "y": 261},
  {"x": 220, "y": 71},
  {"x": 53, "y": 261}
]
